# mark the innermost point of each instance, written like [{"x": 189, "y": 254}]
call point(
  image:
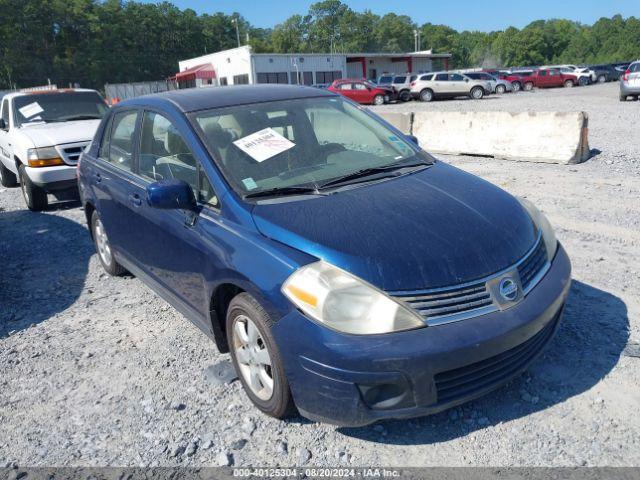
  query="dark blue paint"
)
[
  {"x": 171, "y": 194},
  {"x": 437, "y": 227}
]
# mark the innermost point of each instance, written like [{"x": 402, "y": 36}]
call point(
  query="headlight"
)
[
  {"x": 548, "y": 235},
  {"x": 343, "y": 302},
  {"x": 43, "y": 157}
]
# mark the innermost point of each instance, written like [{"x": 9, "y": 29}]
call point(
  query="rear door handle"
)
[
  {"x": 98, "y": 177},
  {"x": 135, "y": 200}
]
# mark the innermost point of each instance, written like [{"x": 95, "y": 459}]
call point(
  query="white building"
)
[{"x": 242, "y": 66}]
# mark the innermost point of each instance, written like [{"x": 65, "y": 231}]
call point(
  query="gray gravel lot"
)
[{"x": 99, "y": 371}]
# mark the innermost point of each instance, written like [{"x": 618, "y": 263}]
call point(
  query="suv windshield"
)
[
  {"x": 58, "y": 107},
  {"x": 299, "y": 143}
]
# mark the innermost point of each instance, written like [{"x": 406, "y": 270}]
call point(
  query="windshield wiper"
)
[
  {"x": 80, "y": 117},
  {"x": 367, "y": 172},
  {"x": 282, "y": 191}
]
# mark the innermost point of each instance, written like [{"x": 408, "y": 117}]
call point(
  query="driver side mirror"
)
[
  {"x": 171, "y": 194},
  {"x": 466, "y": 80},
  {"x": 413, "y": 139},
  {"x": 3, "y": 124}
]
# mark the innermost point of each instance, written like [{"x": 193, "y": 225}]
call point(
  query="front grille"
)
[
  {"x": 465, "y": 381},
  {"x": 533, "y": 265},
  {"x": 71, "y": 153},
  {"x": 459, "y": 301}
]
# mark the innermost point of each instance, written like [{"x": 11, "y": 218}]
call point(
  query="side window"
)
[
  {"x": 344, "y": 86},
  {"x": 543, "y": 73},
  {"x": 5, "y": 111},
  {"x": 359, "y": 86},
  {"x": 104, "y": 145},
  {"x": 165, "y": 155},
  {"x": 457, "y": 78},
  {"x": 426, "y": 78},
  {"x": 442, "y": 77},
  {"x": 121, "y": 140}
]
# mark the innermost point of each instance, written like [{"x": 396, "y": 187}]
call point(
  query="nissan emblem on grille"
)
[{"x": 508, "y": 289}]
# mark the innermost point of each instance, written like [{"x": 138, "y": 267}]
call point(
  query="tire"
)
[
  {"x": 582, "y": 82},
  {"x": 500, "y": 89},
  {"x": 623, "y": 98},
  {"x": 528, "y": 86},
  {"x": 569, "y": 84},
  {"x": 7, "y": 177},
  {"x": 34, "y": 196},
  {"x": 517, "y": 86},
  {"x": 103, "y": 248},
  {"x": 476, "y": 93},
  {"x": 426, "y": 95},
  {"x": 250, "y": 344},
  {"x": 601, "y": 79},
  {"x": 378, "y": 100},
  {"x": 405, "y": 96}
]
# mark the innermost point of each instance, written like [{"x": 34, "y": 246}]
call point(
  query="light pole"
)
[{"x": 235, "y": 22}]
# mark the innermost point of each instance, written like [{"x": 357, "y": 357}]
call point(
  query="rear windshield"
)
[{"x": 58, "y": 107}]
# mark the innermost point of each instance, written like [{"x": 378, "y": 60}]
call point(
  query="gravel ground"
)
[{"x": 98, "y": 371}]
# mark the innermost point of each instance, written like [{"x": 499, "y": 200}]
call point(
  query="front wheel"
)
[
  {"x": 528, "y": 86},
  {"x": 256, "y": 357},
  {"x": 7, "y": 177},
  {"x": 568, "y": 84},
  {"x": 602, "y": 79},
  {"x": 378, "y": 100},
  {"x": 477, "y": 93},
  {"x": 405, "y": 96},
  {"x": 517, "y": 86},
  {"x": 34, "y": 196},
  {"x": 500, "y": 89},
  {"x": 103, "y": 247}
]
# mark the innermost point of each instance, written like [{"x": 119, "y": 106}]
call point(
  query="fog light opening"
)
[{"x": 384, "y": 396}]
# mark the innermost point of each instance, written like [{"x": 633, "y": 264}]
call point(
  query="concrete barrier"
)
[
  {"x": 551, "y": 137},
  {"x": 402, "y": 121}
]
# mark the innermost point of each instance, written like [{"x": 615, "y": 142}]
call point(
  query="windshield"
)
[
  {"x": 298, "y": 143},
  {"x": 58, "y": 107}
]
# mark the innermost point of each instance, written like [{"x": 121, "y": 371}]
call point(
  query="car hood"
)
[
  {"x": 432, "y": 228},
  {"x": 49, "y": 134}
]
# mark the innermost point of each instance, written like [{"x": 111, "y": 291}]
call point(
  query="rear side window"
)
[
  {"x": 121, "y": 140},
  {"x": 426, "y": 78},
  {"x": 399, "y": 79},
  {"x": 456, "y": 78},
  {"x": 104, "y": 146},
  {"x": 635, "y": 67},
  {"x": 475, "y": 76}
]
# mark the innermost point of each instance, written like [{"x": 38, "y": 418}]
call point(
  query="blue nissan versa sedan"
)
[{"x": 351, "y": 276}]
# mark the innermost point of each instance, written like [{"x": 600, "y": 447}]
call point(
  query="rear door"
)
[
  {"x": 441, "y": 84},
  {"x": 113, "y": 183},
  {"x": 361, "y": 92},
  {"x": 554, "y": 79},
  {"x": 459, "y": 84}
]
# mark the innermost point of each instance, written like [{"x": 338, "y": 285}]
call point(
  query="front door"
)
[{"x": 5, "y": 147}]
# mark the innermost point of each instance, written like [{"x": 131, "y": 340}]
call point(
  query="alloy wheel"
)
[
  {"x": 253, "y": 357},
  {"x": 102, "y": 242}
]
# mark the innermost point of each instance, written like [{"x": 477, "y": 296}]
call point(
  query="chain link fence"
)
[{"x": 116, "y": 92}]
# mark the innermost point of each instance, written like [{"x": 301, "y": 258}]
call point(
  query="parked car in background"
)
[
  {"x": 515, "y": 78},
  {"x": 606, "y": 73},
  {"x": 402, "y": 86},
  {"x": 498, "y": 85},
  {"x": 547, "y": 78},
  {"x": 440, "y": 85},
  {"x": 321, "y": 85},
  {"x": 362, "y": 91},
  {"x": 324, "y": 250},
  {"x": 630, "y": 82},
  {"x": 42, "y": 134},
  {"x": 584, "y": 75}
]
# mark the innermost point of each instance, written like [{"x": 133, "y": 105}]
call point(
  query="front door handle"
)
[{"x": 135, "y": 200}]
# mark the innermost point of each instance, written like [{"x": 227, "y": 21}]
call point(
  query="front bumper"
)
[
  {"x": 53, "y": 178},
  {"x": 356, "y": 380}
]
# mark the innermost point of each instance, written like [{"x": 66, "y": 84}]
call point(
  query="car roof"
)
[
  {"x": 205, "y": 98},
  {"x": 48, "y": 92}
]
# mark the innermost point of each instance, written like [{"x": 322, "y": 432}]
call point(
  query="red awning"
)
[{"x": 199, "y": 71}]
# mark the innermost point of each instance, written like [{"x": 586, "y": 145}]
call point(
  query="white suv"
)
[{"x": 42, "y": 134}]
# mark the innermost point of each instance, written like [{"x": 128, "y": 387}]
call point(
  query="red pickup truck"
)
[{"x": 548, "y": 77}]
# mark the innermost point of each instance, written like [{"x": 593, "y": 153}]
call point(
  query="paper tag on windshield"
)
[
  {"x": 31, "y": 110},
  {"x": 264, "y": 144}
]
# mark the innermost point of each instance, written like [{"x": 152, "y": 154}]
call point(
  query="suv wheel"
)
[
  {"x": 256, "y": 357},
  {"x": 517, "y": 86},
  {"x": 7, "y": 177},
  {"x": 378, "y": 100},
  {"x": 405, "y": 96},
  {"x": 528, "y": 86},
  {"x": 34, "y": 196},
  {"x": 426, "y": 95},
  {"x": 103, "y": 247},
  {"x": 569, "y": 84},
  {"x": 477, "y": 93},
  {"x": 500, "y": 89},
  {"x": 601, "y": 79}
]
